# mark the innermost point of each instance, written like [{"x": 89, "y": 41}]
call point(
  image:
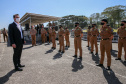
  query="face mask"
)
[
  {"x": 17, "y": 19},
  {"x": 102, "y": 23},
  {"x": 75, "y": 25},
  {"x": 122, "y": 24}
]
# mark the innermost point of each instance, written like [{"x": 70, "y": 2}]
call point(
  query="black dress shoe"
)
[
  {"x": 68, "y": 46},
  {"x": 21, "y": 66},
  {"x": 59, "y": 51},
  {"x": 100, "y": 65},
  {"x": 18, "y": 69},
  {"x": 96, "y": 53},
  {"x": 118, "y": 59},
  {"x": 52, "y": 47},
  {"x": 75, "y": 56},
  {"x": 87, "y": 46},
  {"x": 91, "y": 52},
  {"x": 65, "y": 46},
  {"x": 80, "y": 58},
  {"x": 108, "y": 68},
  {"x": 62, "y": 52},
  {"x": 125, "y": 61}
]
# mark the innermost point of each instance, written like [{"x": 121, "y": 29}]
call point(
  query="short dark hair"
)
[
  {"x": 15, "y": 15},
  {"x": 60, "y": 26},
  {"x": 77, "y": 23},
  {"x": 123, "y": 21},
  {"x": 105, "y": 20},
  {"x": 94, "y": 24}
]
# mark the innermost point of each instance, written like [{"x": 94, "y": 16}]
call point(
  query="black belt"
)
[
  {"x": 77, "y": 36},
  {"x": 122, "y": 37},
  {"x": 105, "y": 39},
  {"x": 93, "y": 35},
  {"x": 89, "y": 34}
]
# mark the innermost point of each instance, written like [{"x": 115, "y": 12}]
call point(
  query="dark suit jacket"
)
[{"x": 15, "y": 35}]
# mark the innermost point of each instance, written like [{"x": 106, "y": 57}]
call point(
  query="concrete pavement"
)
[{"x": 46, "y": 66}]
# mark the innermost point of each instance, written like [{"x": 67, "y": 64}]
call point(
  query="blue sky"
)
[{"x": 52, "y": 7}]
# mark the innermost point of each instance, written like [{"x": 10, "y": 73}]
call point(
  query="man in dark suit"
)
[{"x": 16, "y": 41}]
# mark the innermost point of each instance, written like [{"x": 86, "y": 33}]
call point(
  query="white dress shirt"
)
[{"x": 20, "y": 29}]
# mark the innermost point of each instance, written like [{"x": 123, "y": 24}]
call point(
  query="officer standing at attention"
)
[
  {"x": 50, "y": 34},
  {"x": 88, "y": 35},
  {"x": 33, "y": 35},
  {"x": 61, "y": 39},
  {"x": 53, "y": 38},
  {"x": 5, "y": 35},
  {"x": 122, "y": 40},
  {"x": 78, "y": 34},
  {"x": 43, "y": 34},
  {"x": 67, "y": 33},
  {"x": 94, "y": 34},
  {"x": 105, "y": 33}
]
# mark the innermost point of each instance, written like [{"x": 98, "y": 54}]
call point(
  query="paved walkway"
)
[{"x": 46, "y": 66}]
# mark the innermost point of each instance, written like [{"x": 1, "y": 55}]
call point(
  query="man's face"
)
[
  {"x": 123, "y": 24},
  {"x": 76, "y": 25},
  {"x": 16, "y": 16}
]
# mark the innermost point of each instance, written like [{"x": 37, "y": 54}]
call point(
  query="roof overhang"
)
[{"x": 34, "y": 19}]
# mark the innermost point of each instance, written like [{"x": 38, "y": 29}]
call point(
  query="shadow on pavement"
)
[
  {"x": 77, "y": 65},
  {"x": 123, "y": 62},
  {"x": 27, "y": 47},
  {"x": 66, "y": 48},
  {"x": 113, "y": 53},
  {"x": 95, "y": 58},
  {"x": 89, "y": 48},
  {"x": 58, "y": 55},
  {"x": 5, "y": 78},
  {"x": 49, "y": 51},
  {"x": 47, "y": 44},
  {"x": 110, "y": 77}
]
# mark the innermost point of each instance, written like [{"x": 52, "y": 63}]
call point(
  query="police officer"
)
[
  {"x": 105, "y": 33},
  {"x": 53, "y": 38},
  {"x": 67, "y": 33},
  {"x": 33, "y": 35},
  {"x": 78, "y": 34},
  {"x": 88, "y": 35},
  {"x": 50, "y": 34},
  {"x": 43, "y": 34},
  {"x": 5, "y": 34},
  {"x": 94, "y": 34},
  {"x": 122, "y": 40},
  {"x": 61, "y": 39}
]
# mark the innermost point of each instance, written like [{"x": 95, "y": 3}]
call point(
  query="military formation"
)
[{"x": 105, "y": 32}]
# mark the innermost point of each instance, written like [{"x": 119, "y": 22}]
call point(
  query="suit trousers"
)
[{"x": 17, "y": 55}]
